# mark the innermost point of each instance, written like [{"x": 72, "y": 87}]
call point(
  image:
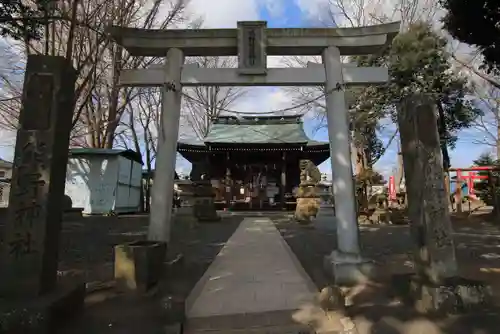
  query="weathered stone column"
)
[
  {"x": 163, "y": 183},
  {"x": 427, "y": 204},
  {"x": 436, "y": 285},
  {"x": 30, "y": 254},
  {"x": 345, "y": 263}
]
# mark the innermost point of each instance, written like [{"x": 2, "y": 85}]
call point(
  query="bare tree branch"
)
[
  {"x": 79, "y": 34},
  {"x": 202, "y": 104}
]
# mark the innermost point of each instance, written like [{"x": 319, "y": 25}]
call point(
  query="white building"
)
[
  {"x": 5, "y": 176},
  {"x": 104, "y": 180}
]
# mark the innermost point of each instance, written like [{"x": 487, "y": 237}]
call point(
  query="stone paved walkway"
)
[{"x": 255, "y": 284}]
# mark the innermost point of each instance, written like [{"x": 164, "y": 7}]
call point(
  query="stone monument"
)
[
  {"x": 203, "y": 195},
  {"x": 436, "y": 285},
  {"x": 29, "y": 258},
  {"x": 307, "y": 196}
]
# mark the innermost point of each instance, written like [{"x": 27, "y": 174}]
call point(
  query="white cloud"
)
[
  {"x": 316, "y": 11},
  {"x": 224, "y": 13},
  {"x": 276, "y": 8},
  {"x": 263, "y": 100},
  {"x": 312, "y": 8}
]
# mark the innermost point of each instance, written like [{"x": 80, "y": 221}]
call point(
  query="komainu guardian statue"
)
[
  {"x": 307, "y": 196},
  {"x": 309, "y": 173}
]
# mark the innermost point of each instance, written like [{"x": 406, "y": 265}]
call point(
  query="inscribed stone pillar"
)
[
  {"x": 345, "y": 263},
  {"x": 163, "y": 183},
  {"x": 29, "y": 259},
  {"x": 427, "y": 204}
]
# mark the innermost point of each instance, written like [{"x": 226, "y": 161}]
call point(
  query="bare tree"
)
[
  {"x": 98, "y": 62},
  {"x": 471, "y": 63},
  {"x": 203, "y": 103},
  {"x": 487, "y": 124},
  {"x": 139, "y": 129},
  {"x": 101, "y": 117},
  {"x": 366, "y": 128}
]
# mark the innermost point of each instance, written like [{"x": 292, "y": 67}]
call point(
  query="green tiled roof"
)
[
  {"x": 248, "y": 130},
  {"x": 5, "y": 163}
]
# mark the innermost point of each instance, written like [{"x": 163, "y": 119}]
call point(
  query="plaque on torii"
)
[{"x": 252, "y": 57}]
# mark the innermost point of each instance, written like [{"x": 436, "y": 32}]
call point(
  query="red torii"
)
[{"x": 471, "y": 177}]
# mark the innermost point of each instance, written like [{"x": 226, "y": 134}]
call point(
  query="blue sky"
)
[
  {"x": 290, "y": 14},
  {"x": 282, "y": 13}
]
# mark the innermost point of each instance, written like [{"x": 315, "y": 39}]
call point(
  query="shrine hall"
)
[{"x": 253, "y": 162}]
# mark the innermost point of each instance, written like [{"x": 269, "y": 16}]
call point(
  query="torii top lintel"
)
[{"x": 274, "y": 41}]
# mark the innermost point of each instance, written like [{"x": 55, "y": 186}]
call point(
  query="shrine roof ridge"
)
[
  {"x": 257, "y": 119},
  {"x": 279, "y": 41},
  {"x": 289, "y": 131}
]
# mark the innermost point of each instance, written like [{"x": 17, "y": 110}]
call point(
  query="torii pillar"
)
[
  {"x": 344, "y": 263},
  {"x": 252, "y": 42},
  {"x": 163, "y": 183}
]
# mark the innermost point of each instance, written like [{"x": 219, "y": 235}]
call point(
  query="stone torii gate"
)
[{"x": 252, "y": 42}]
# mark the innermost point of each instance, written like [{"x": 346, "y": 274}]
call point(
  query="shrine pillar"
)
[
  {"x": 344, "y": 263},
  {"x": 163, "y": 184}
]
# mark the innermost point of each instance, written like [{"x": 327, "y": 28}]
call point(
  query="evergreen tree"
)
[
  {"x": 419, "y": 63},
  {"x": 476, "y": 23}
]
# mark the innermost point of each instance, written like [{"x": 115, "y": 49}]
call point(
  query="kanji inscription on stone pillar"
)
[
  {"x": 29, "y": 257},
  {"x": 427, "y": 205},
  {"x": 252, "y": 57}
]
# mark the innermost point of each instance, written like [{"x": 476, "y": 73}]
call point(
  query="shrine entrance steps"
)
[{"x": 254, "y": 285}]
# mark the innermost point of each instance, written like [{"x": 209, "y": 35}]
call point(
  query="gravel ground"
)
[
  {"x": 478, "y": 253},
  {"x": 87, "y": 250},
  {"x": 87, "y": 245}
]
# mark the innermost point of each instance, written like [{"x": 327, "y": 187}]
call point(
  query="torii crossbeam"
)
[{"x": 252, "y": 42}]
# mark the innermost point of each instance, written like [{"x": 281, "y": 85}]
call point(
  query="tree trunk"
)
[
  {"x": 498, "y": 132},
  {"x": 115, "y": 96},
  {"x": 361, "y": 167},
  {"x": 148, "y": 179},
  {"x": 441, "y": 122}
]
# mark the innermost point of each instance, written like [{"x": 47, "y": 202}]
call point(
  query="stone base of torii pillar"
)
[{"x": 348, "y": 269}]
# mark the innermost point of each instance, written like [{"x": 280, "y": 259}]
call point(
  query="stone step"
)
[{"x": 275, "y": 322}]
